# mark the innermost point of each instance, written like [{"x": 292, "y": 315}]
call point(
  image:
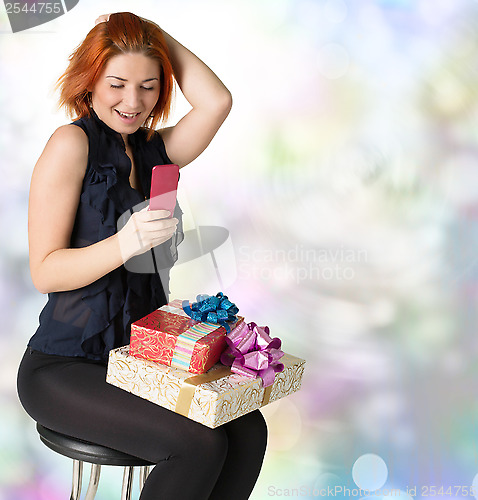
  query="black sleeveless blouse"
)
[{"x": 92, "y": 320}]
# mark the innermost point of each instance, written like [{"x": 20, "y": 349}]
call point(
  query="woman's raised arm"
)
[
  {"x": 54, "y": 196},
  {"x": 211, "y": 102}
]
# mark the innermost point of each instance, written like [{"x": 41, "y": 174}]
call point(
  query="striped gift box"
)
[{"x": 169, "y": 336}]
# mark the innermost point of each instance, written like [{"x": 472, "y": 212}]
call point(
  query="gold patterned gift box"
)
[{"x": 213, "y": 398}]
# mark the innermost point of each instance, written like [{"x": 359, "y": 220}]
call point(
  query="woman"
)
[{"x": 119, "y": 84}]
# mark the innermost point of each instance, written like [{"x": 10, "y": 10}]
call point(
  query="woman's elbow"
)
[
  {"x": 225, "y": 103},
  {"x": 40, "y": 286},
  {"x": 39, "y": 282},
  {"x": 221, "y": 105},
  {"x": 217, "y": 106}
]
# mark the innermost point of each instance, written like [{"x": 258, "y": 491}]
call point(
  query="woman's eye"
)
[
  {"x": 148, "y": 88},
  {"x": 115, "y": 86}
]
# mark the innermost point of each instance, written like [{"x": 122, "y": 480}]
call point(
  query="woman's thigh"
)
[{"x": 71, "y": 396}]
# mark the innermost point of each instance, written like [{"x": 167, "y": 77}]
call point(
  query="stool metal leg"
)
[
  {"x": 143, "y": 475},
  {"x": 77, "y": 476},
  {"x": 127, "y": 483},
  {"x": 94, "y": 481}
]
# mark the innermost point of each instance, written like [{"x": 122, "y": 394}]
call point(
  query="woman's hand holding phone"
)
[
  {"x": 144, "y": 230},
  {"x": 164, "y": 185}
]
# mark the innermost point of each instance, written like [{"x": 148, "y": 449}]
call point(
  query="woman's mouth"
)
[{"x": 127, "y": 117}]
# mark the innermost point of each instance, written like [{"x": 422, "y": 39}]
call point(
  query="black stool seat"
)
[{"x": 77, "y": 449}]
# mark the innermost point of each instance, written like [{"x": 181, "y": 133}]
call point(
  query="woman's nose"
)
[{"x": 131, "y": 99}]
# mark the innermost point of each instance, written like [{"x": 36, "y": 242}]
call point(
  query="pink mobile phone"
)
[{"x": 164, "y": 184}]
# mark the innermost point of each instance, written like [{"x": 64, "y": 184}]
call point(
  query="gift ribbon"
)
[
  {"x": 174, "y": 309},
  {"x": 218, "y": 309},
  {"x": 252, "y": 352},
  {"x": 186, "y": 342},
  {"x": 188, "y": 388},
  {"x": 186, "y": 393}
]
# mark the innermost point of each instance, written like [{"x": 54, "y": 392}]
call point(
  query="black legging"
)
[{"x": 71, "y": 396}]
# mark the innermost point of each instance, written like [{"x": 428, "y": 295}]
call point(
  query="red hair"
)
[{"x": 123, "y": 33}]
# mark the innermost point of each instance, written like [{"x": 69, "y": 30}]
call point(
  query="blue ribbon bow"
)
[{"x": 218, "y": 309}]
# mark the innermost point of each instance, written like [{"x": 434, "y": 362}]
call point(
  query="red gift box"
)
[{"x": 169, "y": 336}]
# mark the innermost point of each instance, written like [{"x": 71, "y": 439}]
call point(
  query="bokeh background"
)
[{"x": 347, "y": 178}]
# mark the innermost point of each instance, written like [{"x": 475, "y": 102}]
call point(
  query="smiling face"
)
[{"x": 126, "y": 92}]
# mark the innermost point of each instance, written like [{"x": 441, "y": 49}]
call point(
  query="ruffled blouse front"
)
[{"x": 92, "y": 320}]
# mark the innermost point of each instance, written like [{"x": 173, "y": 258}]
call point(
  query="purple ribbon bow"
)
[{"x": 251, "y": 352}]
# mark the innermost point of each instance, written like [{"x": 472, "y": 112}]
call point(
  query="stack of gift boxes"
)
[{"x": 203, "y": 361}]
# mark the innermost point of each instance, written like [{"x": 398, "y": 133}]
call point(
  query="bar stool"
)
[{"x": 83, "y": 451}]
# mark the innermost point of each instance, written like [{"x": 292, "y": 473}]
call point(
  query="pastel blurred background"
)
[{"x": 346, "y": 176}]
